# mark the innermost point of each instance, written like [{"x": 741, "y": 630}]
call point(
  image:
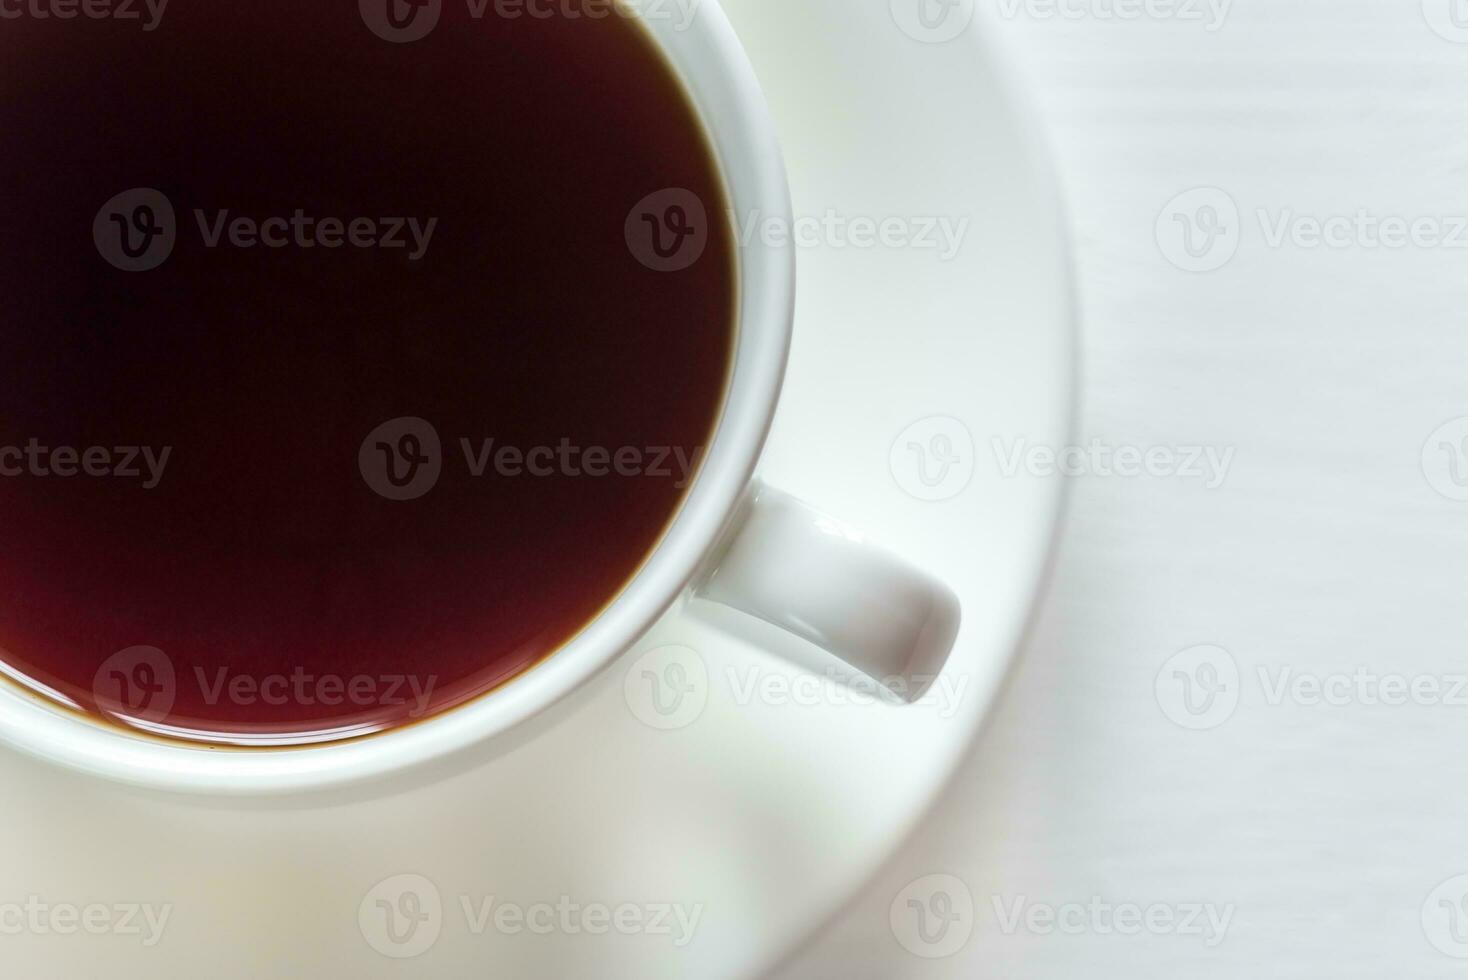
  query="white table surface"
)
[{"x": 1325, "y": 552}]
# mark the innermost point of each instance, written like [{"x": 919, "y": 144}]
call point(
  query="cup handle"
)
[{"x": 813, "y": 576}]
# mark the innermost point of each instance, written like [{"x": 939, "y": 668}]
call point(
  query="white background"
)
[{"x": 1326, "y": 551}]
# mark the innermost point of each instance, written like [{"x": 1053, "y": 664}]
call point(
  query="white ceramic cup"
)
[{"x": 733, "y": 540}]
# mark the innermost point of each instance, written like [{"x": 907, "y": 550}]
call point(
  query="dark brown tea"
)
[{"x": 352, "y": 357}]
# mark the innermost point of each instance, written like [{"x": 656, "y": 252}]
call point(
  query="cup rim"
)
[{"x": 709, "y": 59}]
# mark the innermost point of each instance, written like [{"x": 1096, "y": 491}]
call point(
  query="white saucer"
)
[{"x": 769, "y": 814}]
